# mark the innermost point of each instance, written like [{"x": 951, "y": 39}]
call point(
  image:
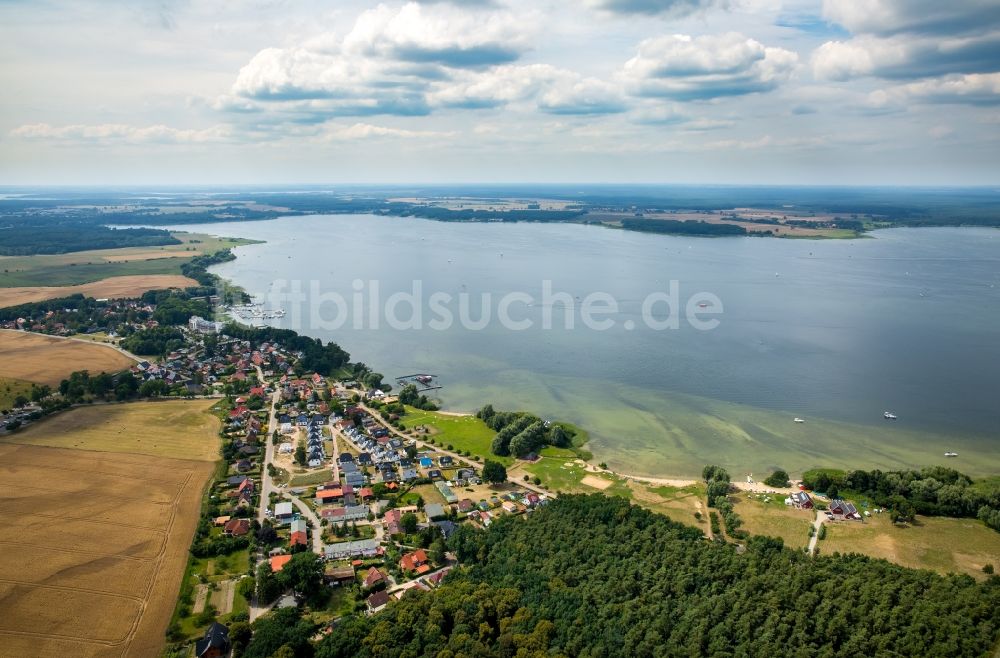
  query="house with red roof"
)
[
  {"x": 278, "y": 562},
  {"x": 373, "y": 578},
  {"x": 416, "y": 562},
  {"x": 236, "y": 527}
]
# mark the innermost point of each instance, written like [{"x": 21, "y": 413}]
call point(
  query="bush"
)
[{"x": 778, "y": 479}]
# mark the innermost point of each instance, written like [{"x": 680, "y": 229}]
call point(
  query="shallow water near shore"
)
[{"x": 835, "y": 332}]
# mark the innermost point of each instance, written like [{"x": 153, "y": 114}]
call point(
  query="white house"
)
[{"x": 283, "y": 512}]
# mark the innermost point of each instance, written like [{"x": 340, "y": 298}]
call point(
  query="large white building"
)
[{"x": 203, "y": 326}]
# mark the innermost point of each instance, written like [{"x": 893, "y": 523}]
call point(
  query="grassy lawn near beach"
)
[
  {"x": 462, "y": 432},
  {"x": 941, "y": 544},
  {"x": 768, "y": 515}
]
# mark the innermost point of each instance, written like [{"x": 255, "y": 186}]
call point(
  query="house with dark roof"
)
[
  {"x": 377, "y": 601},
  {"x": 215, "y": 642},
  {"x": 434, "y": 511},
  {"x": 335, "y": 575},
  {"x": 801, "y": 500},
  {"x": 843, "y": 508},
  {"x": 236, "y": 527},
  {"x": 447, "y": 528}
]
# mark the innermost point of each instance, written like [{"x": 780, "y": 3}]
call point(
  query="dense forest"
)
[
  {"x": 520, "y": 433},
  {"x": 594, "y": 576},
  {"x": 932, "y": 491},
  {"x": 681, "y": 227},
  {"x": 52, "y": 236},
  {"x": 155, "y": 341}
]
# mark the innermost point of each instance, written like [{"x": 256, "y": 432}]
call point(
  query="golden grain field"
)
[
  {"x": 95, "y": 540},
  {"x": 48, "y": 360}
]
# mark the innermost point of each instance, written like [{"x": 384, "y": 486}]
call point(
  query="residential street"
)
[
  {"x": 267, "y": 485},
  {"x": 310, "y": 515},
  {"x": 454, "y": 455}
]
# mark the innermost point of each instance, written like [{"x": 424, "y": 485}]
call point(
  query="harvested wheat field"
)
[
  {"x": 94, "y": 544},
  {"x": 49, "y": 360},
  {"x": 167, "y": 428},
  {"x": 111, "y": 288}
]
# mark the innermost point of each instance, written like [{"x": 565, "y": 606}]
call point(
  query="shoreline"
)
[{"x": 882, "y": 459}]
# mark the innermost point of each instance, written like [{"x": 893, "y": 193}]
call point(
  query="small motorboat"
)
[
  {"x": 703, "y": 305},
  {"x": 799, "y": 420},
  {"x": 951, "y": 454},
  {"x": 888, "y": 415}
]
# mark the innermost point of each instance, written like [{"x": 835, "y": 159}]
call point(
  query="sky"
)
[{"x": 855, "y": 92}]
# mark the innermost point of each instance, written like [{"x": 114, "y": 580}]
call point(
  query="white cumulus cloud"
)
[{"x": 691, "y": 68}]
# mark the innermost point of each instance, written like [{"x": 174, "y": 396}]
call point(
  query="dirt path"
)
[
  {"x": 200, "y": 598},
  {"x": 817, "y": 524}
]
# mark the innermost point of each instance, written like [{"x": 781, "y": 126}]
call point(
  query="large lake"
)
[{"x": 834, "y": 331}]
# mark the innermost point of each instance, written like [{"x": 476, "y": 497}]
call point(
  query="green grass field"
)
[
  {"x": 88, "y": 266},
  {"x": 74, "y": 274},
  {"x": 463, "y": 432},
  {"x": 941, "y": 544},
  {"x": 10, "y": 388},
  {"x": 307, "y": 479}
]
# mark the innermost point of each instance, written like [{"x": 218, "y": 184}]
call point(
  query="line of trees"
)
[
  {"x": 931, "y": 491},
  {"x": 678, "y": 227},
  {"x": 717, "y": 487}
]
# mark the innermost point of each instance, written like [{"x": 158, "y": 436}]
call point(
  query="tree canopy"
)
[{"x": 594, "y": 576}]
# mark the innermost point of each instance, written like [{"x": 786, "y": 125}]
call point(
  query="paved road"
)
[
  {"x": 454, "y": 455},
  {"x": 317, "y": 531},
  {"x": 266, "y": 483}
]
